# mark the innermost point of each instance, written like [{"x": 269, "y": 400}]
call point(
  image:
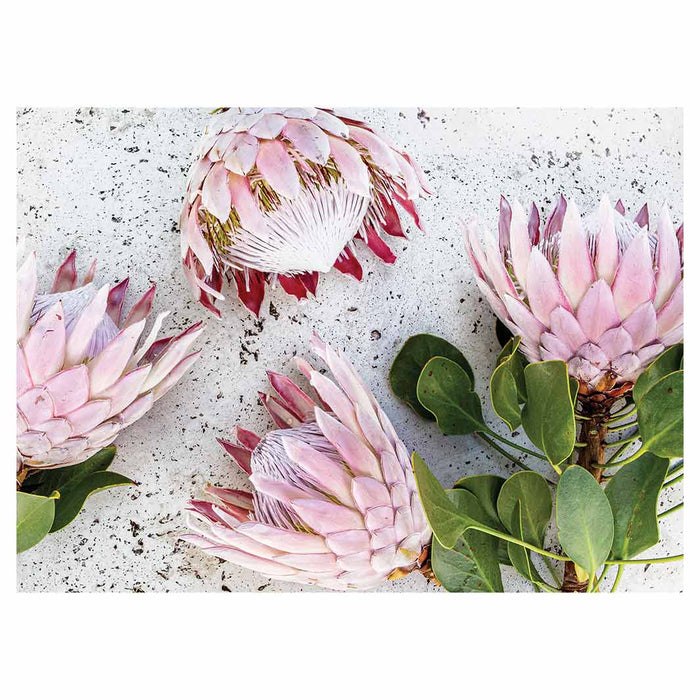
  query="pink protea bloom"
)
[
  {"x": 80, "y": 379},
  {"x": 279, "y": 194},
  {"x": 335, "y": 502},
  {"x": 603, "y": 293}
]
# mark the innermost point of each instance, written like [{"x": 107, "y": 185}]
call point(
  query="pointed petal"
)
[
  {"x": 26, "y": 291},
  {"x": 285, "y": 540},
  {"x": 175, "y": 375},
  {"x": 141, "y": 308},
  {"x": 66, "y": 275},
  {"x": 359, "y": 458},
  {"x": 108, "y": 366},
  {"x": 575, "y": 270},
  {"x": 671, "y": 315},
  {"x": 297, "y": 401},
  {"x": 172, "y": 355},
  {"x": 351, "y": 167},
  {"x": 543, "y": 290},
  {"x": 348, "y": 264},
  {"x": 84, "y": 328},
  {"x": 240, "y": 455},
  {"x": 668, "y": 259},
  {"x": 565, "y": 326},
  {"x": 241, "y": 157},
  {"x": 520, "y": 245},
  {"x": 216, "y": 198},
  {"x": 124, "y": 391},
  {"x": 115, "y": 301},
  {"x": 330, "y": 123},
  {"x": 88, "y": 416},
  {"x": 277, "y": 168},
  {"x": 325, "y": 517},
  {"x": 310, "y": 140},
  {"x": 634, "y": 282},
  {"x": 641, "y": 325},
  {"x": 606, "y": 243},
  {"x": 45, "y": 345},
  {"x": 268, "y": 127},
  {"x": 245, "y": 204},
  {"x": 69, "y": 389},
  {"x": 379, "y": 151},
  {"x": 597, "y": 312}
]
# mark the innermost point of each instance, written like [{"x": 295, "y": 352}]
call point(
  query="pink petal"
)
[
  {"x": 241, "y": 158},
  {"x": 382, "y": 155},
  {"x": 268, "y": 127},
  {"x": 379, "y": 247},
  {"x": 277, "y": 168},
  {"x": 284, "y": 540},
  {"x": 24, "y": 379},
  {"x": 325, "y": 517},
  {"x": 330, "y": 123},
  {"x": 370, "y": 493},
  {"x": 314, "y": 563},
  {"x": 36, "y": 405},
  {"x": 124, "y": 391},
  {"x": 529, "y": 328},
  {"x": 245, "y": 204},
  {"x": 575, "y": 270},
  {"x": 668, "y": 259},
  {"x": 241, "y": 455},
  {"x": 634, "y": 281},
  {"x": 69, "y": 389},
  {"x": 297, "y": 401},
  {"x": 596, "y": 312},
  {"x": 359, "y": 458},
  {"x": 351, "y": 167},
  {"x": 172, "y": 355},
  {"x": 115, "y": 300},
  {"x": 141, "y": 308},
  {"x": 543, "y": 291},
  {"x": 310, "y": 140},
  {"x": 336, "y": 400},
  {"x": 349, "y": 542},
  {"x": 641, "y": 325},
  {"x": 88, "y": 416},
  {"x": 520, "y": 245},
  {"x": 66, "y": 275},
  {"x": 108, "y": 366},
  {"x": 247, "y": 438},
  {"x": 606, "y": 243},
  {"x": 44, "y": 347},
  {"x": 615, "y": 342},
  {"x": 192, "y": 234},
  {"x": 216, "y": 198},
  {"x": 279, "y": 414},
  {"x": 565, "y": 326},
  {"x": 671, "y": 315},
  {"x": 84, "y": 328},
  {"x": 175, "y": 375}
]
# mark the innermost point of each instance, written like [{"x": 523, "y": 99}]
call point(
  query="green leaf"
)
[
  {"x": 76, "y": 483},
  {"x": 548, "y": 414},
  {"x": 486, "y": 488},
  {"x": 472, "y": 566},
  {"x": 445, "y": 520},
  {"x": 507, "y": 384},
  {"x": 660, "y": 416},
  {"x": 670, "y": 360},
  {"x": 525, "y": 507},
  {"x": 409, "y": 362},
  {"x": 585, "y": 519},
  {"x": 531, "y": 491},
  {"x": 444, "y": 388},
  {"x": 633, "y": 493},
  {"x": 34, "y": 518}
]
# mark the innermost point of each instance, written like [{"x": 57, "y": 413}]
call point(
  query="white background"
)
[{"x": 534, "y": 54}]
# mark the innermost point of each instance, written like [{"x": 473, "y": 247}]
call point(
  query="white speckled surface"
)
[{"x": 109, "y": 182}]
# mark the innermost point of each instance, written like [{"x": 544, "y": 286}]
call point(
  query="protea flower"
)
[
  {"x": 279, "y": 195},
  {"x": 335, "y": 503},
  {"x": 79, "y": 378},
  {"x": 603, "y": 293}
]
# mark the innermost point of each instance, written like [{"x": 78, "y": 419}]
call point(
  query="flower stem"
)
[
  {"x": 618, "y": 578},
  {"x": 603, "y": 573},
  {"x": 668, "y": 484},
  {"x": 513, "y": 459},
  {"x": 623, "y": 427},
  {"x": 625, "y": 441},
  {"x": 670, "y": 511},
  {"x": 622, "y": 413},
  {"x": 659, "y": 560},
  {"x": 516, "y": 446}
]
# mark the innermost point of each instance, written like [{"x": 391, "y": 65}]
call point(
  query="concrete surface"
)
[{"x": 109, "y": 182}]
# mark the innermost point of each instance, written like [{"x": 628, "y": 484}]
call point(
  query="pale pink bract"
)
[
  {"x": 603, "y": 293},
  {"x": 335, "y": 502},
  {"x": 280, "y": 194},
  {"x": 80, "y": 379}
]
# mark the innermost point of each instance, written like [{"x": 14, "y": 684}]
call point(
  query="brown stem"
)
[{"x": 593, "y": 433}]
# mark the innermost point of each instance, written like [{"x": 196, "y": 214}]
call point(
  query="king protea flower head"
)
[
  {"x": 280, "y": 194},
  {"x": 80, "y": 379},
  {"x": 603, "y": 293},
  {"x": 335, "y": 503}
]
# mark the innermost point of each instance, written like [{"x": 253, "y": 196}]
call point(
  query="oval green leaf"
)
[
  {"x": 409, "y": 363},
  {"x": 507, "y": 384},
  {"x": 444, "y": 389},
  {"x": 671, "y": 360},
  {"x": 660, "y": 416},
  {"x": 584, "y": 518},
  {"x": 34, "y": 518},
  {"x": 471, "y": 567},
  {"x": 486, "y": 488},
  {"x": 444, "y": 518},
  {"x": 633, "y": 494},
  {"x": 548, "y": 414}
]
